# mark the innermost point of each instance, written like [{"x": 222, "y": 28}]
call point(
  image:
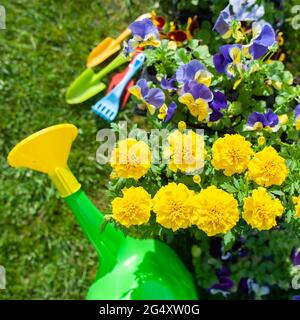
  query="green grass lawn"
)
[{"x": 43, "y": 48}]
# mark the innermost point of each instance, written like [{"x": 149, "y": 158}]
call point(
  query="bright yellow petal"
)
[
  {"x": 203, "y": 76},
  {"x": 151, "y": 108},
  {"x": 235, "y": 54},
  {"x": 136, "y": 91},
  {"x": 186, "y": 99}
]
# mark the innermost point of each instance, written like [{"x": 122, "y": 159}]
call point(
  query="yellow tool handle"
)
[{"x": 121, "y": 37}]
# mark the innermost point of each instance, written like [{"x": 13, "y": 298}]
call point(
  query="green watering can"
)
[{"x": 129, "y": 269}]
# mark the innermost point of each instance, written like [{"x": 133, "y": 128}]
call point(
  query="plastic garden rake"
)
[{"x": 108, "y": 107}]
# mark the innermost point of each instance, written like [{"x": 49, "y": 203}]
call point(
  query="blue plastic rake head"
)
[{"x": 108, "y": 107}]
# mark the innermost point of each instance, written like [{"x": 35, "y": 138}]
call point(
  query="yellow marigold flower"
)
[
  {"x": 267, "y": 168},
  {"x": 182, "y": 126},
  {"x": 131, "y": 159},
  {"x": 134, "y": 208},
  {"x": 296, "y": 201},
  {"x": 261, "y": 210},
  {"x": 197, "y": 179},
  {"x": 231, "y": 154},
  {"x": 174, "y": 205},
  {"x": 186, "y": 151},
  {"x": 261, "y": 140},
  {"x": 216, "y": 211}
]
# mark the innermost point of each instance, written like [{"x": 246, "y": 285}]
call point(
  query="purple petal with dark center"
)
[
  {"x": 187, "y": 87},
  {"x": 257, "y": 50},
  {"x": 222, "y": 23},
  {"x": 201, "y": 91},
  {"x": 219, "y": 102},
  {"x": 271, "y": 118},
  {"x": 169, "y": 84},
  {"x": 155, "y": 97},
  {"x": 295, "y": 257},
  {"x": 187, "y": 71},
  {"x": 297, "y": 297},
  {"x": 143, "y": 27},
  {"x": 220, "y": 62},
  {"x": 142, "y": 83},
  {"x": 171, "y": 111},
  {"x": 224, "y": 284},
  {"x": 255, "y": 117},
  {"x": 180, "y": 73},
  {"x": 192, "y": 67},
  {"x": 261, "y": 44},
  {"x": 225, "y": 50}
]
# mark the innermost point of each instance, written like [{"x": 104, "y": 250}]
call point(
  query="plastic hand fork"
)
[
  {"x": 114, "y": 82},
  {"x": 108, "y": 107},
  {"x": 118, "y": 77}
]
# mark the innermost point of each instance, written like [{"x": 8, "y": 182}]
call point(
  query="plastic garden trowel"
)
[
  {"x": 88, "y": 83},
  {"x": 108, "y": 107},
  {"x": 128, "y": 268},
  {"x": 109, "y": 46}
]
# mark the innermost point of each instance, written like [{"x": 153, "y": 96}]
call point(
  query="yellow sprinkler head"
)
[{"x": 47, "y": 151}]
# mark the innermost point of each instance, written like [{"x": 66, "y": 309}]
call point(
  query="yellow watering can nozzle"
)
[{"x": 47, "y": 151}]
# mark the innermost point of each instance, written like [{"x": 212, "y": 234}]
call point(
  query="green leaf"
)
[
  {"x": 228, "y": 187},
  {"x": 228, "y": 240}
]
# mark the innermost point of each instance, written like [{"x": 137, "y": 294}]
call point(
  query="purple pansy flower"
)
[
  {"x": 264, "y": 37},
  {"x": 144, "y": 33},
  {"x": 225, "y": 283},
  {"x": 295, "y": 256},
  {"x": 194, "y": 70},
  {"x": 223, "y": 21},
  {"x": 153, "y": 98},
  {"x": 257, "y": 120},
  {"x": 241, "y": 10},
  {"x": 188, "y": 71},
  {"x": 197, "y": 99},
  {"x": 187, "y": 87},
  {"x": 226, "y": 58},
  {"x": 169, "y": 84},
  {"x": 219, "y": 102},
  {"x": 170, "y": 111},
  {"x": 143, "y": 28},
  {"x": 296, "y": 297}
]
